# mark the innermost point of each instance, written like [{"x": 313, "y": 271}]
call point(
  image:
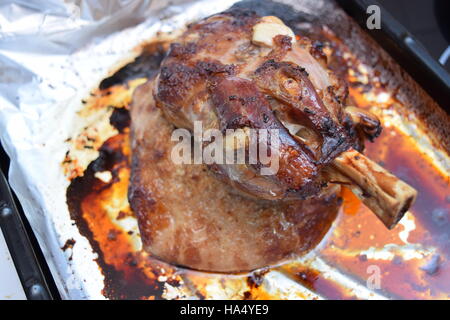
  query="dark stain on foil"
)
[
  {"x": 129, "y": 281},
  {"x": 118, "y": 284},
  {"x": 120, "y": 119},
  {"x": 69, "y": 244},
  {"x": 144, "y": 66}
]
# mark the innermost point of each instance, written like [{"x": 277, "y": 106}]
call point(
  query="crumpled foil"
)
[{"x": 52, "y": 53}]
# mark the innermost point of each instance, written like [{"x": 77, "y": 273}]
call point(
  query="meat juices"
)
[{"x": 236, "y": 70}]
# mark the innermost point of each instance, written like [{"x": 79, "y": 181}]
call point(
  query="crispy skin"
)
[
  {"x": 189, "y": 217},
  {"x": 273, "y": 78},
  {"x": 214, "y": 73},
  {"x": 239, "y": 103}
]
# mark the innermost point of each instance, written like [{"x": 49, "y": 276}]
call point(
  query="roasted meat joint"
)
[{"x": 241, "y": 73}]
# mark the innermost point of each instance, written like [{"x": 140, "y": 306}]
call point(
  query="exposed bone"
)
[
  {"x": 267, "y": 29},
  {"x": 386, "y": 195},
  {"x": 383, "y": 193}
]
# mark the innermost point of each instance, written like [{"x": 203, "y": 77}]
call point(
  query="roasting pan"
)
[{"x": 418, "y": 250}]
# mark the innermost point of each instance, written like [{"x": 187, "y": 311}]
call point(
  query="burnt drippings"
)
[
  {"x": 118, "y": 283},
  {"x": 314, "y": 281},
  {"x": 144, "y": 66},
  {"x": 125, "y": 277},
  {"x": 254, "y": 283},
  {"x": 256, "y": 279},
  {"x": 271, "y": 8},
  {"x": 120, "y": 119},
  {"x": 69, "y": 244}
]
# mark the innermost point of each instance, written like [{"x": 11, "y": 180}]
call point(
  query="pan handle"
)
[{"x": 19, "y": 245}]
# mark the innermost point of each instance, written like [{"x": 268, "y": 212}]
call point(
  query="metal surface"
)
[
  {"x": 11, "y": 288},
  {"x": 405, "y": 49},
  {"x": 25, "y": 261}
]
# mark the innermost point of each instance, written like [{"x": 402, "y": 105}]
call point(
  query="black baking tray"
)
[
  {"x": 405, "y": 49},
  {"x": 28, "y": 259},
  {"x": 393, "y": 37}
]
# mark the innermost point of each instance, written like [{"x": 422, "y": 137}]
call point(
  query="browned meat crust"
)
[
  {"x": 214, "y": 73},
  {"x": 188, "y": 217}
]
